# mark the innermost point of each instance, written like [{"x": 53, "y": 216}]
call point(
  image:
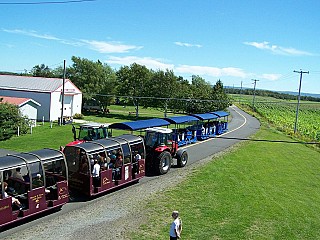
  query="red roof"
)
[{"x": 15, "y": 100}]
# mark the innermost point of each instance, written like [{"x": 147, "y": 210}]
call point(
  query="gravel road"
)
[{"x": 107, "y": 217}]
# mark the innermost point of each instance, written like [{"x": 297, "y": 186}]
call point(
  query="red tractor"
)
[{"x": 161, "y": 149}]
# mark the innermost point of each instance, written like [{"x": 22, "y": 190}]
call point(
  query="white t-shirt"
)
[
  {"x": 174, "y": 226},
  {"x": 96, "y": 170}
]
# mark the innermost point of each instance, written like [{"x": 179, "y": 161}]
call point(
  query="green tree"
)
[
  {"x": 94, "y": 79},
  {"x": 10, "y": 120},
  {"x": 162, "y": 85},
  {"x": 221, "y": 98},
  {"x": 42, "y": 71},
  {"x": 132, "y": 82}
]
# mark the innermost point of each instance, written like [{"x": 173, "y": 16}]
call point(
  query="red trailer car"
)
[
  {"x": 98, "y": 166},
  {"x": 32, "y": 183}
]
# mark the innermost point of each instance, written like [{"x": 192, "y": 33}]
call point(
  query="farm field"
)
[
  {"x": 259, "y": 190},
  {"x": 282, "y": 114}
]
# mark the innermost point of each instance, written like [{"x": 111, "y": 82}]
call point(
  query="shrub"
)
[{"x": 78, "y": 116}]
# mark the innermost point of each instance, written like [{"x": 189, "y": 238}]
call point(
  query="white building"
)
[
  {"x": 45, "y": 91},
  {"x": 27, "y": 106}
]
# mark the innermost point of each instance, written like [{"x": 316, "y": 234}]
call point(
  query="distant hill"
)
[
  {"x": 284, "y": 92},
  {"x": 302, "y": 94}
]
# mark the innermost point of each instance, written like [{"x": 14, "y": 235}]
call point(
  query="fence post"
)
[
  {"x": 51, "y": 124},
  {"x": 31, "y": 129},
  {"x": 42, "y": 120},
  {"x": 18, "y": 131}
]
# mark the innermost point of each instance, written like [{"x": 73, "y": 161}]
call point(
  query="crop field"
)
[{"x": 282, "y": 114}]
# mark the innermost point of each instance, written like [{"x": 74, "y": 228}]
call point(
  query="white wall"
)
[
  {"x": 72, "y": 101},
  {"x": 29, "y": 110}
]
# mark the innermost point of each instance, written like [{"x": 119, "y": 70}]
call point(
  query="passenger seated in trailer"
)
[
  {"x": 107, "y": 161},
  {"x": 17, "y": 174},
  {"x": 15, "y": 202},
  {"x": 91, "y": 161},
  {"x": 119, "y": 161},
  {"x": 112, "y": 162},
  {"x": 102, "y": 161},
  {"x": 137, "y": 156},
  {"x": 117, "y": 166},
  {"x": 7, "y": 174},
  {"x": 84, "y": 168},
  {"x": 203, "y": 130},
  {"x": 37, "y": 182},
  {"x": 96, "y": 174}
]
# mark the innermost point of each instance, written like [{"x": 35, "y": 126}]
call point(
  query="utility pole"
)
[
  {"x": 240, "y": 92},
  {"x": 298, "y": 104},
  {"x": 254, "y": 91},
  {"x": 62, "y": 93}
]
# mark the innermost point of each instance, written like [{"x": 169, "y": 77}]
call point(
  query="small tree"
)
[{"x": 10, "y": 119}]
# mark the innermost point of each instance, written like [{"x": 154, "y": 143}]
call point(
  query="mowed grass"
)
[{"x": 259, "y": 190}]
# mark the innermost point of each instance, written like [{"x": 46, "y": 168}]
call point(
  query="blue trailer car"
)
[
  {"x": 183, "y": 135},
  {"x": 222, "y": 125},
  {"x": 206, "y": 126}
]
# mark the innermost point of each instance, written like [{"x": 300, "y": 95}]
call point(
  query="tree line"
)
[{"x": 139, "y": 86}]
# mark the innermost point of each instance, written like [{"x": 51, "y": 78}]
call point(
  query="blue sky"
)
[{"x": 232, "y": 40}]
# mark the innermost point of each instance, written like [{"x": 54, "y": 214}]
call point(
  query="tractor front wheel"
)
[{"x": 164, "y": 160}]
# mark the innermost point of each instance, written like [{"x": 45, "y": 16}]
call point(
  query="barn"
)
[
  {"x": 48, "y": 92},
  {"x": 27, "y": 106}
]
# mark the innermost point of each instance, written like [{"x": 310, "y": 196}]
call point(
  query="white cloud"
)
[
  {"x": 211, "y": 71},
  {"x": 108, "y": 47},
  {"x": 278, "y": 49},
  {"x": 31, "y": 34},
  {"x": 99, "y": 46},
  {"x": 182, "y": 44},
  {"x": 150, "y": 63},
  {"x": 271, "y": 76}
]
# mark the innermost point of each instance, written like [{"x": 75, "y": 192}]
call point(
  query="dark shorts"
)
[{"x": 173, "y": 238}]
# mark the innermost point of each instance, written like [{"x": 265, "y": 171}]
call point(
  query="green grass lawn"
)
[{"x": 260, "y": 190}]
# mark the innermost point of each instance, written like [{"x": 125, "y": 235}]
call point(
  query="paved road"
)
[{"x": 242, "y": 125}]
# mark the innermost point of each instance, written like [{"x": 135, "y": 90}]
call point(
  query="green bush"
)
[
  {"x": 78, "y": 116},
  {"x": 10, "y": 119}
]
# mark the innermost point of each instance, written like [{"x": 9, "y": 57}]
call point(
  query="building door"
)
[{"x": 67, "y": 111}]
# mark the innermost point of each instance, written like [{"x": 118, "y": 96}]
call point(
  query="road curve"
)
[
  {"x": 242, "y": 125},
  {"x": 110, "y": 215}
]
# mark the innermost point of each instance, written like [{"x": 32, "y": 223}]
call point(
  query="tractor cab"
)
[
  {"x": 88, "y": 132},
  {"x": 159, "y": 138}
]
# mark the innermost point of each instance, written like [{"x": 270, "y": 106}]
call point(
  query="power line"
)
[{"x": 46, "y": 2}]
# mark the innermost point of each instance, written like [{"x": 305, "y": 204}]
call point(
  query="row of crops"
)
[{"x": 283, "y": 113}]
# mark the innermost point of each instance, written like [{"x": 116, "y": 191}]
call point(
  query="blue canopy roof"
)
[
  {"x": 140, "y": 124},
  {"x": 221, "y": 113},
  {"x": 205, "y": 116},
  {"x": 181, "y": 119}
]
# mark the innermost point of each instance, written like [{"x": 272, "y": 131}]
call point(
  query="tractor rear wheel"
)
[
  {"x": 182, "y": 159},
  {"x": 164, "y": 160}
]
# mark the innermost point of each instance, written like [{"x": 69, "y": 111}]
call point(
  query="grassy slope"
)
[{"x": 259, "y": 191}]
